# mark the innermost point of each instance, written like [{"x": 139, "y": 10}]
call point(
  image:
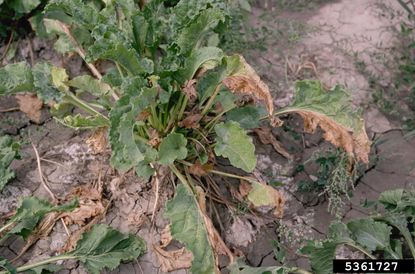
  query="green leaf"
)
[
  {"x": 240, "y": 267},
  {"x": 332, "y": 111},
  {"x": 226, "y": 100},
  {"x": 129, "y": 60},
  {"x": 172, "y": 148},
  {"x": 244, "y": 4},
  {"x": 233, "y": 143},
  {"x": 321, "y": 256},
  {"x": 31, "y": 211},
  {"x": 84, "y": 122},
  {"x": 248, "y": 117},
  {"x": 15, "y": 77},
  {"x": 370, "y": 234},
  {"x": 7, "y": 266},
  {"x": 188, "y": 227},
  {"x": 23, "y": 6},
  {"x": 90, "y": 84},
  {"x": 104, "y": 247},
  {"x": 391, "y": 198},
  {"x": 207, "y": 57},
  {"x": 190, "y": 36},
  {"x": 36, "y": 22},
  {"x": 8, "y": 152},
  {"x": 125, "y": 151},
  {"x": 42, "y": 81},
  {"x": 45, "y": 269}
]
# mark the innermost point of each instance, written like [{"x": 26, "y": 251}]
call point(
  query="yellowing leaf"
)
[
  {"x": 59, "y": 78},
  {"x": 246, "y": 81},
  {"x": 264, "y": 197},
  {"x": 31, "y": 105},
  {"x": 332, "y": 111}
]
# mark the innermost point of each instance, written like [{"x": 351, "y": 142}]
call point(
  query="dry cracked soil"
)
[{"x": 322, "y": 41}]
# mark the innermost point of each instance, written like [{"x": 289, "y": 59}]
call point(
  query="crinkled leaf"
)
[
  {"x": 391, "y": 198},
  {"x": 188, "y": 227},
  {"x": 42, "y": 81},
  {"x": 7, "y": 266},
  {"x": 127, "y": 58},
  {"x": 370, "y": 234},
  {"x": 331, "y": 110},
  {"x": 81, "y": 14},
  {"x": 173, "y": 147},
  {"x": 90, "y": 84},
  {"x": 8, "y": 152},
  {"x": 125, "y": 151},
  {"x": 248, "y": 117},
  {"x": 15, "y": 77},
  {"x": 31, "y": 211},
  {"x": 190, "y": 36},
  {"x": 104, "y": 247},
  {"x": 79, "y": 121},
  {"x": 233, "y": 143}
]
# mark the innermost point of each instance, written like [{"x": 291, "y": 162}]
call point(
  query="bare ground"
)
[{"x": 323, "y": 44}]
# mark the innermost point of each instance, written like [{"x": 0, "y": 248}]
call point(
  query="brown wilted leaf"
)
[
  {"x": 90, "y": 205},
  {"x": 267, "y": 138},
  {"x": 189, "y": 89},
  {"x": 97, "y": 141},
  {"x": 143, "y": 115},
  {"x": 337, "y": 134},
  {"x": 244, "y": 188},
  {"x": 31, "y": 105},
  {"x": 173, "y": 260},
  {"x": 215, "y": 239},
  {"x": 165, "y": 236},
  {"x": 191, "y": 121},
  {"x": 246, "y": 81},
  {"x": 200, "y": 170},
  {"x": 154, "y": 138}
]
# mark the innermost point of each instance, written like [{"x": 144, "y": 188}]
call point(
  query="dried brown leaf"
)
[
  {"x": 31, "y": 105},
  {"x": 200, "y": 170},
  {"x": 165, "y": 236},
  {"x": 90, "y": 205},
  {"x": 97, "y": 141},
  {"x": 267, "y": 138},
  {"x": 215, "y": 239},
  {"x": 191, "y": 121},
  {"x": 246, "y": 81},
  {"x": 173, "y": 260},
  {"x": 244, "y": 188},
  {"x": 154, "y": 138},
  {"x": 189, "y": 89},
  {"x": 340, "y": 136}
]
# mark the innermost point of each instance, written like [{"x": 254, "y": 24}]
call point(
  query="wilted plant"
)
[{"x": 174, "y": 102}]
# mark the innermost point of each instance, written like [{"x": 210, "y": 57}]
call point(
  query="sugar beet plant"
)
[{"x": 174, "y": 101}]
